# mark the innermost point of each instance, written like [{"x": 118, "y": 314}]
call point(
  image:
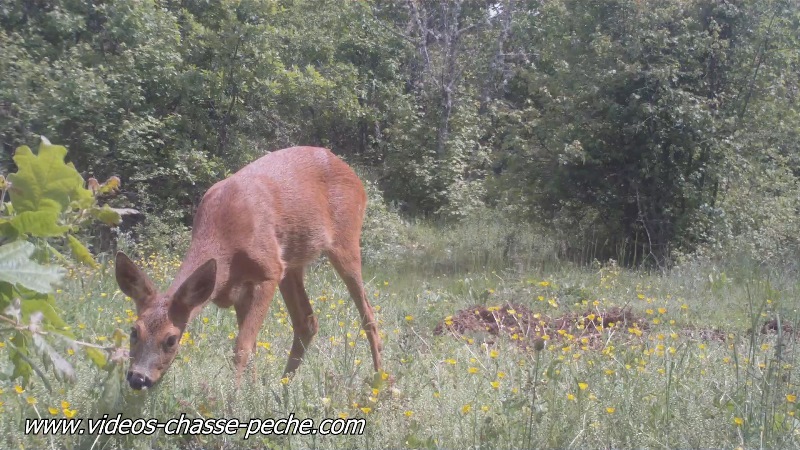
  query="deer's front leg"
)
[{"x": 251, "y": 309}]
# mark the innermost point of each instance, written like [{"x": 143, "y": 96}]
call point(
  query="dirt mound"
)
[
  {"x": 704, "y": 334},
  {"x": 506, "y": 319},
  {"x": 526, "y": 327},
  {"x": 593, "y": 322},
  {"x": 772, "y": 326}
]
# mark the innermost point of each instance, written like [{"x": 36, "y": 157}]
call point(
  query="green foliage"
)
[
  {"x": 682, "y": 383},
  {"x": 385, "y": 235},
  {"x": 17, "y": 268},
  {"x": 157, "y": 231},
  {"x": 627, "y": 126},
  {"x": 627, "y": 130},
  {"x": 47, "y": 200},
  {"x": 44, "y": 183},
  {"x": 486, "y": 238}
]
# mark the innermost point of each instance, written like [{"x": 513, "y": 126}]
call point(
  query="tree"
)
[{"x": 621, "y": 128}]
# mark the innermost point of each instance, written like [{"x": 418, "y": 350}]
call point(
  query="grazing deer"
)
[{"x": 254, "y": 231}]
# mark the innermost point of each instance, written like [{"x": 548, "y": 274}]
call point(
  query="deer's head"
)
[{"x": 156, "y": 334}]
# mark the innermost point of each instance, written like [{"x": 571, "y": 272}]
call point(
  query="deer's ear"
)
[
  {"x": 133, "y": 282},
  {"x": 196, "y": 289}
]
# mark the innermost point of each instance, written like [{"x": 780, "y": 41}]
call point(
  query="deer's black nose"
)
[{"x": 138, "y": 381}]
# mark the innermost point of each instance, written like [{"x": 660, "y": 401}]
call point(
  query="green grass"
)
[{"x": 676, "y": 385}]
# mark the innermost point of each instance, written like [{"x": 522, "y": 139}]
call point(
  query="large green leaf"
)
[
  {"x": 52, "y": 359},
  {"x": 44, "y": 182},
  {"x": 19, "y": 358},
  {"x": 80, "y": 252},
  {"x": 6, "y": 295},
  {"x": 16, "y": 267},
  {"x": 8, "y": 230},
  {"x": 39, "y": 223},
  {"x": 97, "y": 356},
  {"x": 52, "y": 251},
  {"x": 45, "y": 304},
  {"x": 107, "y": 215}
]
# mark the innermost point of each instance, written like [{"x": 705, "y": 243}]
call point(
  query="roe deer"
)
[{"x": 254, "y": 231}]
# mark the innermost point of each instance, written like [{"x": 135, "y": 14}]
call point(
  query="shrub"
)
[{"x": 49, "y": 204}]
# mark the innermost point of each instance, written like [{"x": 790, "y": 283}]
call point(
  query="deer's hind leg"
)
[
  {"x": 304, "y": 322},
  {"x": 346, "y": 259}
]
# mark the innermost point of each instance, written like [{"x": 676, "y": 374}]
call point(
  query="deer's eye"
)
[
  {"x": 134, "y": 334},
  {"x": 171, "y": 341}
]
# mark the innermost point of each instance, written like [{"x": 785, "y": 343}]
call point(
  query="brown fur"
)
[{"x": 253, "y": 232}]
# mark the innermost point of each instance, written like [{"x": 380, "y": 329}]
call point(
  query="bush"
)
[
  {"x": 487, "y": 239},
  {"x": 385, "y": 235},
  {"x": 48, "y": 205}
]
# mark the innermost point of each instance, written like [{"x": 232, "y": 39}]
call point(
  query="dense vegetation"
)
[
  {"x": 621, "y": 175},
  {"x": 641, "y": 130}
]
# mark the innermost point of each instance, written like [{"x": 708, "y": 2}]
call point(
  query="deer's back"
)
[{"x": 294, "y": 203}]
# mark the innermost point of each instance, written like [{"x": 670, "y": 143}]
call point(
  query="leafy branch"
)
[{"x": 48, "y": 204}]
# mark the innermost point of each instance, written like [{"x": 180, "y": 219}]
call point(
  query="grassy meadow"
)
[{"x": 695, "y": 371}]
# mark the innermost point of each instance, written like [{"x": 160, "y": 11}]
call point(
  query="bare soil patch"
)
[
  {"x": 527, "y": 328},
  {"x": 772, "y": 326}
]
